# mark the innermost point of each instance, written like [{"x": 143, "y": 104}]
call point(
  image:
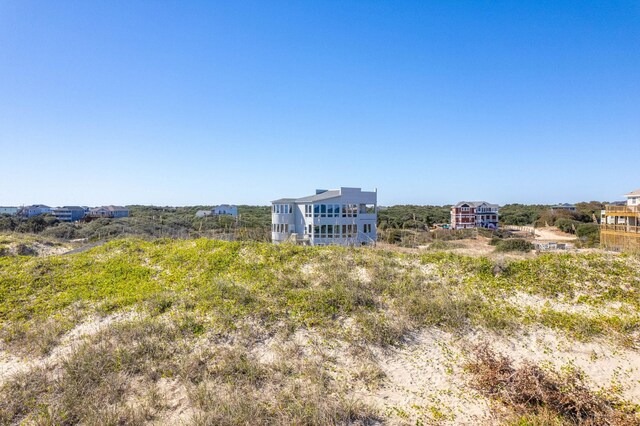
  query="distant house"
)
[
  {"x": 34, "y": 210},
  {"x": 225, "y": 209},
  {"x": 111, "y": 212},
  {"x": 564, "y": 206},
  {"x": 12, "y": 211},
  {"x": 69, "y": 213},
  {"x": 474, "y": 214},
  {"x": 345, "y": 216},
  {"x": 620, "y": 224},
  {"x": 221, "y": 210},
  {"x": 633, "y": 198}
]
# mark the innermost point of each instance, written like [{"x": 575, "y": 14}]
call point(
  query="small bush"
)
[
  {"x": 25, "y": 250},
  {"x": 515, "y": 244}
]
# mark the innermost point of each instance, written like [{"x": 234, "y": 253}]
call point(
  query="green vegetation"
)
[
  {"x": 192, "y": 317},
  {"x": 254, "y": 223},
  {"x": 412, "y": 217},
  {"x": 543, "y": 215},
  {"x": 222, "y": 283},
  {"x": 512, "y": 244},
  {"x": 521, "y": 214}
]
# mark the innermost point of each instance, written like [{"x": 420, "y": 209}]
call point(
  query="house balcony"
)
[
  {"x": 614, "y": 229},
  {"x": 622, "y": 211}
]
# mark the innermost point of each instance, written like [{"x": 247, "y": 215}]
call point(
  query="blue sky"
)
[{"x": 185, "y": 102}]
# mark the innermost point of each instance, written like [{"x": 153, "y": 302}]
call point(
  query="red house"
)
[{"x": 474, "y": 214}]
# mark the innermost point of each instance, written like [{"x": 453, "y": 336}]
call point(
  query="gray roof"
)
[
  {"x": 70, "y": 208},
  {"x": 635, "y": 193},
  {"x": 284, "y": 200},
  {"x": 475, "y": 204},
  {"x": 333, "y": 193},
  {"x": 319, "y": 197},
  {"x": 110, "y": 208}
]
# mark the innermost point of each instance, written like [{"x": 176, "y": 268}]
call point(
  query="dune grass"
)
[
  {"x": 199, "y": 309},
  {"x": 385, "y": 293}
]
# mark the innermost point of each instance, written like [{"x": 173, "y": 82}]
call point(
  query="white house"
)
[
  {"x": 345, "y": 216},
  {"x": 633, "y": 198},
  {"x": 221, "y": 210},
  {"x": 225, "y": 209},
  {"x": 34, "y": 210}
]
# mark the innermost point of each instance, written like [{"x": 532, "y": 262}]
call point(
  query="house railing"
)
[
  {"x": 621, "y": 228},
  {"x": 622, "y": 209}
]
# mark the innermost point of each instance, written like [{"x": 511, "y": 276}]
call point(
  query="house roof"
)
[
  {"x": 70, "y": 208},
  {"x": 635, "y": 193},
  {"x": 325, "y": 195},
  {"x": 475, "y": 204},
  {"x": 110, "y": 208},
  {"x": 564, "y": 205},
  {"x": 319, "y": 197}
]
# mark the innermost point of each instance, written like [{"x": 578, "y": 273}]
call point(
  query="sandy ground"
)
[
  {"x": 552, "y": 233},
  {"x": 11, "y": 364},
  {"x": 422, "y": 381},
  {"x": 480, "y": 246},
  {"x": 426, "y": 383},
  {"x": 40, "y": 248}
]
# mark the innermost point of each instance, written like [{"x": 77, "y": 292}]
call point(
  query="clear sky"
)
[{"x": 431, "y": 102}]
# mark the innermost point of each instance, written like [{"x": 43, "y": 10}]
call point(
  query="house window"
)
[
  {"x": 316, "y": 210},
  {"x": 323, "y": 210}
]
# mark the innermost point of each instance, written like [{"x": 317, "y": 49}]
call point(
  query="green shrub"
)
[{"x": 515, "y": 244}]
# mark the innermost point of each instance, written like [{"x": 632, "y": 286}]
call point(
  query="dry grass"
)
[
  {"x": 112, "y": 378},
  {"x": 545, "y": 397}
]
